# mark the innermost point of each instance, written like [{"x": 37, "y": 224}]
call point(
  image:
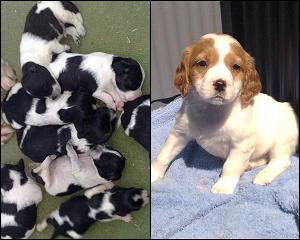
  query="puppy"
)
[
  {"x": 39, "y": 142},
  {"x": 19, "y": 199},
  {"x": 20, "y": 108},
  {"x": 102, "y": 203},
  {"x": 8, "y": 76},
  {"x": 224, "y": 111},
  {"x": 46, "y": 23},
  {"x": 70, "y": 173},
  {"x": 113, "y": 80},
  {"x": 135, "y": 120}
]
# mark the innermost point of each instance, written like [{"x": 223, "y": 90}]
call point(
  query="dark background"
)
[{"x": 269, "y": 31}]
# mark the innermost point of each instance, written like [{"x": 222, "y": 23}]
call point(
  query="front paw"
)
[
  {"x": 127, "y": 218},
  {"x": 81, "y": 30},
  {"x": 262, "y": 179},
  {"x": 225, "y": 185},
  {"x": 67, "y": 47},
  {"x": 109, "y": 185},
  {"x": 119, "y": 105},
  {"x": 156, "y": 173}
]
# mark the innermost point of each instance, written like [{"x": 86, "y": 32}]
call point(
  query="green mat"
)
[{"x": 121, "y": 28}]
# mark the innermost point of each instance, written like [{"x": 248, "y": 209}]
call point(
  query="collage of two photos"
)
[{"x": 149, "y": 119}]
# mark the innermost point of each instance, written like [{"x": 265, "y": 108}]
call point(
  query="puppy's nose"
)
[{"x": 219, "y": 85}]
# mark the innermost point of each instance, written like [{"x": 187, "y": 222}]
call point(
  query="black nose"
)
[{"x": 219, "y": 85}]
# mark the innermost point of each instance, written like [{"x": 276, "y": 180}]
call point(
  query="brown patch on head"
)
[
  {"x": 197, "y": 59},
  {"x": 242, "y": 66}
]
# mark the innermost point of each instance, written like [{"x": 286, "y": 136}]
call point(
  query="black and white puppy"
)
[
  {"x": 46, "y": 23},
  {"x": 20, "y": 108},
  {"x": 72, "y": 172},
  {"x": 39, "y": 142},
  {"x": 19, "y": 199},
  {"x": 113, "y": 80},
  {"x": 102, "y": 203},
  {"x": 135, "y": 120}
]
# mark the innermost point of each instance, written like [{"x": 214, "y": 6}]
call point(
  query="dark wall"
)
[{"x": 269, "y": 31}]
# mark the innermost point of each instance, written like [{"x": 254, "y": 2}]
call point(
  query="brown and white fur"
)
[{"x": 224, "y": 111}]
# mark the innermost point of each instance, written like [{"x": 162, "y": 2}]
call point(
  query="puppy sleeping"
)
[
  {"x": 67, "y": 174},
  {"x": 113, "y": 80},
  {"x": 102, "y": 203},
  {"x": 135, "y": 120},
  {"x": 20, "y": 108},
  {"x": 224, "y": 111},
  {"x": 39, "y": 142},
  {"x": 46, "y": 23},
  {"x": 19, "y": 199}
]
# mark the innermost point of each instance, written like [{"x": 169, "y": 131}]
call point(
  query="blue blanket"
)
[{"x": 184, "y": 207}]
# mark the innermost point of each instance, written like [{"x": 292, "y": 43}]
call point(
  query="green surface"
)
[{"x": 121, "y": 28}]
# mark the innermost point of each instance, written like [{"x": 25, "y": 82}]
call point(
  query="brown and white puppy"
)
[{"x": 224, "y": 111}]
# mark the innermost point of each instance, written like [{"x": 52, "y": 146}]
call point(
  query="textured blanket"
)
[{"x": 184, "y": 207}]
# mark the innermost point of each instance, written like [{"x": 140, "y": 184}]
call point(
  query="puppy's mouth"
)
[{"x": 218, "y": 100}]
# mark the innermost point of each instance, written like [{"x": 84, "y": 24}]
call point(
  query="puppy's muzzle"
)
[{"x": 219, "y": 85}]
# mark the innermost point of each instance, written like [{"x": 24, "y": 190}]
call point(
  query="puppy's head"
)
[
  {"x": 127, "y": 200},
  {"x": 12, "y": 176},
  {"x": 39, "y": 82},
  {"x": 98, "y": 127},
  {"x": 218, "y": 70},
  {"x": 109, "y": 163},
  {"x": 129, "y": 77}
]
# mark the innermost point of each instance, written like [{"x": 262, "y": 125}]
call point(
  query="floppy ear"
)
[
  {"x": 182, "y": 72},
  {"x": 251, "y": 84}
]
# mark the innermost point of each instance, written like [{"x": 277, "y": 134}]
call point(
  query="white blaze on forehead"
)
[{"x": 222, "y": 45}]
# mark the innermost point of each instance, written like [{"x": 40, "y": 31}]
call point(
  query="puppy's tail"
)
[{"x": 8, "y": 76}]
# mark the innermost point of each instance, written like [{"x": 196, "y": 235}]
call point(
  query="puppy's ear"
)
[
  {"x": 251, "y": 84},
  {"x": 182, "y": 72}
]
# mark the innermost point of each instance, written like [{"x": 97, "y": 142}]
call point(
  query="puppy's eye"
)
[
  {"x": 202, "y": 63},
  {"x": 236, "y": 67}
]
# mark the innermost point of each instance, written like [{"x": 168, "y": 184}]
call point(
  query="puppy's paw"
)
[
  {"x": 67, "y": 47},
  {"x": 52, "y": 157},
  {"x": 119, "y": 105},
  {"x": 155, "y": 173},
  {"x": 225, "y": 185},
  {"x": 262, "y": 179},
  {"x": 109, "y": 185},
  {"x": 76, "y": 39},
  {"x": 41, "y": 226},
  {"x": 127, "y": 218},
  {"x": 81, "y": 30}
]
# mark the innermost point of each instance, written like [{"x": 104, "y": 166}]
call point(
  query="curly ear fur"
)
[
  {"x": 251, "y": 85},
  {"x": 182, "y": 72}
]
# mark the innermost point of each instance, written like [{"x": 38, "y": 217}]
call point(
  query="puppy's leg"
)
[
  {"x": 74, "y": 234},
  {"x": 117, "y": 99},
  {"x": 106, "y": 98},
  {"x": 279, "y": 162},
  {"x": 235, "y": 164},
  {"x": 57, "y": 47},
  {"x": 98, "y": 189},
  {"x": 71, "y": 30},
  {"x": 75, "y": 163},
  {"x": 72, "y": 18},
  {"x": 41, "y": 226},
  {"x": 173, "y": 145},
  {"x": 127, "y": 218}
]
